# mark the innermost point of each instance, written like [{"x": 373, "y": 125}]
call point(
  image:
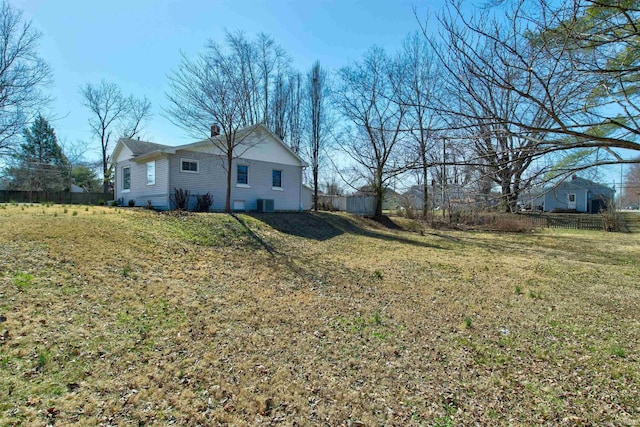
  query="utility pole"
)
[{"x": 444, "y": 172}]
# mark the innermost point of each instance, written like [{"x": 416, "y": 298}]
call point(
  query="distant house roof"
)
[
  {"x": 76, "y": 189},
  {"x": 585, "y": 184}
]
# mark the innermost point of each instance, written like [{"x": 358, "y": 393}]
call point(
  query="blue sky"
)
[{"x": 136, "y": 43}]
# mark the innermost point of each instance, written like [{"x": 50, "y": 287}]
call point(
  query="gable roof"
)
[
  {"x": 242, "y": 134},
  {"x": 584, "y": 184},
  {"x": 145, "y": 149},
  {"x": 138, "y": 147}
]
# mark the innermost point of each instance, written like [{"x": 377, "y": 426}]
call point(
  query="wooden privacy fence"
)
[
  {"x": 332, "y": 203},
  {"x": 358, "y": 205},
  {"x": 361, "y": 205},
  {"x": 62, "y": 197}
]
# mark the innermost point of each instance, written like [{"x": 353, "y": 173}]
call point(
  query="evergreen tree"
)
[
  {"x": 86, "y": 178},
  {"x": 40, "y": 163}
]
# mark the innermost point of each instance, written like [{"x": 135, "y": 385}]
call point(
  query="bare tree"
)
[
  {"x": 259, "y": 61},
  {"x": 418, "y": 92},
  {"x": 317, "y": 111},
  {"x": 575, "y": 64},
  {"x": 279, "y": 108},
  {"x": 294, "y": 120},
  {"x": 23, "y": 75},
  {"x": 214, "y": 89},
  {"x": 366, "y": 99},
  {"x": 488, "y": 61},
  {"x": 235, "y": 85},
  {"x": 113, "y": 115}
]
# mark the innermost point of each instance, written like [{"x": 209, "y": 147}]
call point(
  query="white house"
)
[{"x": 265, "y": 169}]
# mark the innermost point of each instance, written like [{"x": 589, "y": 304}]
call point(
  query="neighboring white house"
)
[{"x": 265, "y": 169}]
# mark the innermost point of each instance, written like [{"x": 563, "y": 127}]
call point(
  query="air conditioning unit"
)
[{"x": 265, "y": 205}]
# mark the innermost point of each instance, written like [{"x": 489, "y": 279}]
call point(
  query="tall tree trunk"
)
[
  {"x": 227, "y": 202},
  {"x": 379, "y": 192},
  {"x": 315, "y": 189},
  {"x": 425, "y": 183}
]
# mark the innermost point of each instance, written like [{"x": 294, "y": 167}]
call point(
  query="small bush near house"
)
[
  {"x": 132, "y": 203},
  {"x": 180, "y": 198},
  {"x": 149, "y": 205},
  {"x": 204, "y": 202},
  {"x": 101, "y": 202}
]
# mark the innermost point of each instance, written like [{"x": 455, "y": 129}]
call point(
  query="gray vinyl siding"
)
[
  {"x": 141, "y": 192},
  {"x": 559, "y": 199},
  {"x": 260, "y": 182},
  {"x": 212, "y": 178}
]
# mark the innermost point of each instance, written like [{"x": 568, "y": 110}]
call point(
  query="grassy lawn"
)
[{"x": 129, "y": 317}]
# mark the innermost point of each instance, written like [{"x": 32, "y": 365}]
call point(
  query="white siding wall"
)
[
  {"x": 212, "y": 178},
  {"x": 141, "y": 192},
  {"x": 259, "y": 145}
]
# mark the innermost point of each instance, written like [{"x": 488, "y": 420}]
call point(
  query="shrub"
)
[
  {"x": 611, "y": 220},
  {"x": 180, "y": 198},
  {"x": 101, "y": 202},
  {"x": 132, "y": 203},
  {"x": 410, "y": 213},
  {"x": 203, "y": 202},
  {"x": 149, "y": 204},
  {"x": 509, "y": 224}
]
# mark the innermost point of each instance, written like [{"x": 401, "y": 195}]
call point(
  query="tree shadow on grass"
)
[{"x": 324, "y": 226}]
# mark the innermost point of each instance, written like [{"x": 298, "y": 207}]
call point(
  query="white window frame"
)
[
  {"x": 190, "y": 161},
  {"x": 274, "y": 187},
  {"x": 151, "y": 181},
  {"x": 239, "y": 184},
  {"x": 126, "y": 190}
]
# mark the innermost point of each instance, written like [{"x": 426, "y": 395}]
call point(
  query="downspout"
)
[
  {"x": 169, "y": 159},
  {"x": 115, "y": 184},
  {"x": 586, "y": 201},
  {"x": 300, "y": 194}
]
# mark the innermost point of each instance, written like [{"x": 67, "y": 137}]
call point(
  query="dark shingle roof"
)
[{"x": 142, "y": 147}]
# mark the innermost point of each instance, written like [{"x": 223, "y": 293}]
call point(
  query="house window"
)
[
  {"x": 151, "y": 173},
  {"x": 243, "y": 174},
  {"x": 276, "y": 179},
  {"x": 189, "y": 166},
  {"x": 126, "y": 178}
]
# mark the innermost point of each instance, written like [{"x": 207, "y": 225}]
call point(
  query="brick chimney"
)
[{"x": 215, "y": 130}]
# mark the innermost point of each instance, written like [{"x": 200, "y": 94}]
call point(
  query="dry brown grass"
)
[{"x": 128, "y": 317}]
